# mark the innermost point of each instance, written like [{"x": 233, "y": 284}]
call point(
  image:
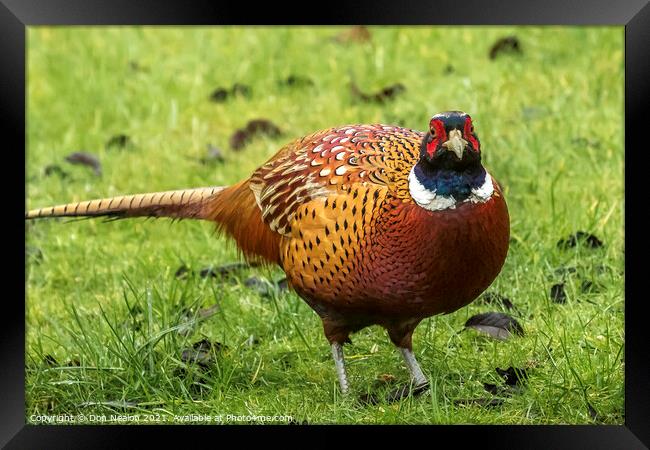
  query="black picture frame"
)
[{"x": 16, "y": 15}]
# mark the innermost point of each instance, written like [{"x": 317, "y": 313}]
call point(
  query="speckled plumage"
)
[
  {"x": 335, "y": 210},
  {"x": 330, "y": 162},
  {"x": 357, "y": 248}
]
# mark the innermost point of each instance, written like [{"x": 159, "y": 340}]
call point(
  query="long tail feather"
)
[{"x": 184, "y": 203}]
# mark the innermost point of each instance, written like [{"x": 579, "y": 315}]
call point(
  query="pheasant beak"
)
[{"x": 456, "y": 143}]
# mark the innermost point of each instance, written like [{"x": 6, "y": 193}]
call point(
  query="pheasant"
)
[{"x": 373, "y": 224}]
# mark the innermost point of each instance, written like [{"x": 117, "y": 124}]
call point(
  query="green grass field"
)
[{"x": 107, "y": 320}]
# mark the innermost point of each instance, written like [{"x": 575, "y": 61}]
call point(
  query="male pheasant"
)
[{"x": 372, "y": 224}]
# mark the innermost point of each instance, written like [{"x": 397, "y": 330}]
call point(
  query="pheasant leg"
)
[
  {"x": 417, "y": 376},
  {"x": 339, "y": 362},
  {"x": 419, "y": 382}
]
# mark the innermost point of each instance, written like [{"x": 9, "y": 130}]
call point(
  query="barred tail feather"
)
[
  {"x": 184, "y": 203},
  {"x": 233, "y": 209}
]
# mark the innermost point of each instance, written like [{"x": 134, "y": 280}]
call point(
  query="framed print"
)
[{"x": 401, "y": 218}]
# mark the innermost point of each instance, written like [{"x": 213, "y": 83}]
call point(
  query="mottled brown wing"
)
[{"x": 332, "y": 161}]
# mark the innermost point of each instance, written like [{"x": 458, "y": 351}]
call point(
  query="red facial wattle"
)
[
  {"x": 438, "y": 135},
  {"x": 468, "y": 133}
]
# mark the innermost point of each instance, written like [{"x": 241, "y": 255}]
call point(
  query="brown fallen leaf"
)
[
  {"x": 508, "y": 44},
  {"x": 219, "y": 95},
  {"x": 513, "y": 375},
  {"x": 86, "y": 159},
  {"x": 119, "y": 141},
  {"x": 558, "y": 295},
  {"x": 387, "y": 93},
  {"x": 588, "y": 286},
  {"x": 243, "y": 136},
  {"x": 182, "y": 272},
  {"x": 50, "y": 360},
  {"x": 52, "y": 169},
  {"x": 222, "y": 94},
  {"x": 294, "y": 422},
  {"x": 202, "y": 353},
  {"x": 74, "y": 363},
  {"x": 497, "y": 325},
  {"x": 491, "y": 388},
  {"x": 297, "y": 81},
  {"x": 580, "y": 237}
]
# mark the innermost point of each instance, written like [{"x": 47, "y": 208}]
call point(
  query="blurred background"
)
[{"x": 116, "y": 110}]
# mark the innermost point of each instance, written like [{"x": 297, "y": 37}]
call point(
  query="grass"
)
[{"x": 103, "y": 306}]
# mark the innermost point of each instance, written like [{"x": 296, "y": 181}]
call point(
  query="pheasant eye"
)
[{"x": 436, "y": 128}]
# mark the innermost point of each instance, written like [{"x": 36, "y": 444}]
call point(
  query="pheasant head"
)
[{"x": 449, "y": 170}]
